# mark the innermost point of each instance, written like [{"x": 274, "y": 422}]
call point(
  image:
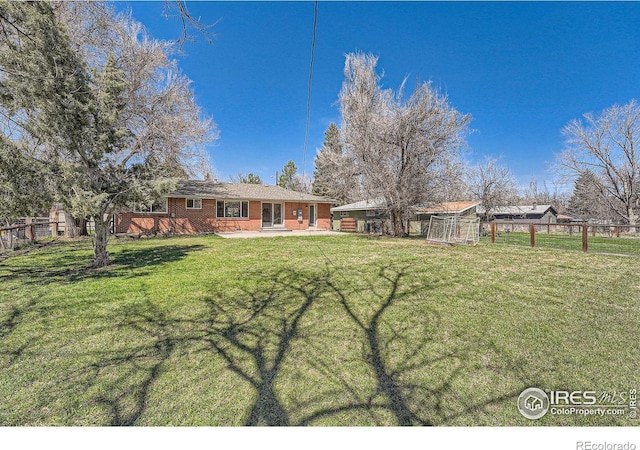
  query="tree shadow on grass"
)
[
  {"x": 65, "y": 268},
  {"x": 119, "y": 380},
  {"x": 416, "y": 375},
  {"x": 313, "y": 350},
  {"x": 253, "y": 333},
  {"x": 8, "y": 323},
  {"x": 417, "y": 368},
  {"x": 142, "y": 365},
  {"x": 388, "y": 382}
]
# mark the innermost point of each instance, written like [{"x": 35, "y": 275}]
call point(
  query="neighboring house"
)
[
  {"x": 209, "y": 206},
  {"x": 361, "y": 211},
  {"x": 463, "y": 210},
  {"x": 524, "y": 213},
  {"x": 564, "y": 218},
  {"x": 372, "y": 210}
]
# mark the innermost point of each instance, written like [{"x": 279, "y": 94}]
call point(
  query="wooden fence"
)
[
  {"x": 27, "y": 230},
  {"x": 587, "y": 237}
]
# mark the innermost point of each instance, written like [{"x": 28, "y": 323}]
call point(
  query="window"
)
[
  {"x": 194, "y": 203},
  {"x": 344, "y": 213},
  {"x": 159, "y": 206},
  {"x": 231, "y": 210}
]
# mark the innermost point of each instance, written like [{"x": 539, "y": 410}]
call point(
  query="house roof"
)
[
  {"x": 241, "y": 191},
  {"x": 362, "y": 205},
  {"x": 448, "y": 207},
  {"x": 520, "y": 210}
]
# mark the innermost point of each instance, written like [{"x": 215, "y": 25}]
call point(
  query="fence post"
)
[
  {"x": 532, "y": 232},
  {"x": 53, "y": 222},
  {"x": 28, "y": 229},
  {"x": 585, "y": 238},
  {"x": 493, "y": 232}
]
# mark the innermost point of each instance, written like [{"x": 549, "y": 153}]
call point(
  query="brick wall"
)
[
  {"x": 323, "y": 220},
  {"x": 191, "y": 221}
]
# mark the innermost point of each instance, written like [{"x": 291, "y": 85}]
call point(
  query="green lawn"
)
[{"x": 316, "y": 331}]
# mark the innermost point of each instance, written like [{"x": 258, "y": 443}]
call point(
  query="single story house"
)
[
  {"x": 211, "y": 206},
  {"x": 565, "y": 218},
  {"x": 463, "y": 210},
  {"x": 524, "y": 213},
  {"x": 372, "y": 210},
  {"x": 361, "y": 211}
]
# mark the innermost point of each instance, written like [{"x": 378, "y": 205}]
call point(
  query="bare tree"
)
[
  {"x": 449, "y": 180},
  {"x": 606, "y": 145},
  {"x": 394, "y": 145},
  {"x": 174, "y": 9},
  {"x": 545, "y": 195},
  {"x": 492, "y": 184}
]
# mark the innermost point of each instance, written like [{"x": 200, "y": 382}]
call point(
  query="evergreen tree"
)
[
  {"x": 288, "y": 177},
  {"x": 107, "y": 135},
  {"x": 251, "y": 178},
  {"x": 586, "y": 201},
  {"x": 324, "y": 163}
]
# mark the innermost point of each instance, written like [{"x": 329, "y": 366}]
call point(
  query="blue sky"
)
[{"x": 522, "y": 70}]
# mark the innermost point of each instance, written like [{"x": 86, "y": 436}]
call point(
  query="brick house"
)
[{"x": 210, "y": 206}]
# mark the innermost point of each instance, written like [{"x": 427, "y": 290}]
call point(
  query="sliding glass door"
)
[{"x": 272, "y": 215}]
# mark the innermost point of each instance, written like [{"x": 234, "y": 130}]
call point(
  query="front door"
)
[
  {"x": 267, "y": 215},
  {"x": 312, "y": 215},
  {"x": 277, "y": 214}
]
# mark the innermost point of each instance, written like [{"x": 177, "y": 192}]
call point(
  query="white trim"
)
[
  {"x": 241, "y": 217},
  {"x": 315, "y": 214},
  {"x": 194, "y": 199},
  {"x": 282, "y": 214}
]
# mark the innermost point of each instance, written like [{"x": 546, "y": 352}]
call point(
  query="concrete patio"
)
[{"x": 264, "y": 234}]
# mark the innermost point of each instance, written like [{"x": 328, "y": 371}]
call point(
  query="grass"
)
[{"x": 311, "y": 331}]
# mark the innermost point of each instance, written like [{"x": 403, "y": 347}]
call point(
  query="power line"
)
[{"x": 309, "y": 84}]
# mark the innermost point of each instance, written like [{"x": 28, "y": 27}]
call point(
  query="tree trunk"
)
[
  {"x": 398, "y": 226},
  {"x": 100, "y": 255},
  {"x": 81, "y": 225},
  {"x": 631, "y": 215},
  {"x": 70, "y": 228}
]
